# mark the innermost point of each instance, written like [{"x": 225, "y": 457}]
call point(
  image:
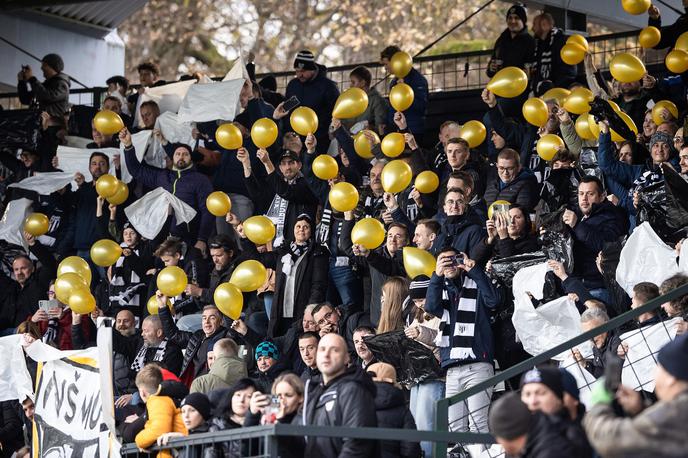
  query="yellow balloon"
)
[
  {"x": 578, "y": 102},
  {"x": 218, "y": 203},
  {"x": 362, "y": 145},
  {"x": 259, "y": 229},
  {"x": 548, "y": 145},
  {"x": 556, "y": 93},
  {"x": 629, "y": 122},
  {"x": 325, "y": 167},
  {"x": 426, "y": 182},
  {"x": 369, "y": 233},
  {"x": 626, "y": 68},
  {"x": 108, "y": 122},
  {"x": 105, "y": 253},
  {"x": 649, "y": 37},
  {"x": 229, "y": 136},
  {"x": 37, "y": 224},
  {"x": 106, "y": 185},
  {"x": 121, "y": 195},
  {"x": 572, "y": 53},
  {"x": 535, "y": 111},
  {"x": 249, "y": 276},
  {"x": 229, "y": 300},
  {"x": 396, "y": 176},
  {"x": 676, "y": 61},
  {"x": 66, "y": 284},
  {"x": 401, "y": 64},
  {"x": 582, "y": 127},
  {"x": 418, "y": 262},
  {"x": 304, "y": 121},
  {"x": 491, "y": 208},
  {"x": 579, "y": 40},
  {"x": 594, "y": 126},
  {"x": 350, "y": 103},
  {"x": 171, "y": 281},
  {"x": 508, "y": 82},
  {"x": 659, "y": 107},
  {"x": 682, "y": 42},
  {"x": 343, "y": 197},
  {"x": 474, "y": 133},
  {"x": 393, "y": 144},
  {"x": 82, "y": 302},
  {"x": 635, "y": 6},
  {"x": 152, "y": 305},
  {"x": 77, "y": 265},
  {"x": 264, "y": 132},
  {"x": 401, "y": 97}
]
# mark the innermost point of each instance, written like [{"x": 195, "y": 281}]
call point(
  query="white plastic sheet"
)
[
  {"x": 168, "y": 97},
  {"x": 645, "y": 257},
  {"x": 173, "y": 130},
  {"x": 208, "y": 102},
  {"x": 641, "y": 358},
  {"x": 683, "y": 259},
  {"x": 12, "y": 223},
  {"x": 45, "y": 183},
  {"x": 74, "y": 160},
  {"x": 149, "y": 213},
  {"x": 238, "y": 71},
  {"x": 15, "y": 380}
]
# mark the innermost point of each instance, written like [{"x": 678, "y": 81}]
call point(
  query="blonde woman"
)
[{"x": 393, "y": 300}]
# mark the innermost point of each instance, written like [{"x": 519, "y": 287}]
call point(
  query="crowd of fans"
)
[{"x": 302, "y": 351}]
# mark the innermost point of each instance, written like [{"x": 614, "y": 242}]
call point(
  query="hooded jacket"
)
[
  {"x": 52, "y": 94},
  {"x": 392, "y": 412},
  {"x": 163, "y": 416},
  {"x": 347, "y": 401},
  {"x": 225, "y": 372},
  {"x": 523, "y": 190},
  {"x": 462, "y": 232}
]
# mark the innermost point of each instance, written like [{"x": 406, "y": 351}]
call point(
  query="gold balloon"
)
[
  {"x": 152, "y": 305},
  {"x": 579, "y": 40},
  {"x": 105, "y": 253},
  {"x": 649, "y": 37},
  {"x": 594, "y": 126},
  {"x": 535, "y": 111},
  {"x": 229, "y": 300},
  {"x": 66, "y": 284},
  {"x": 229, "y": 136},
  {"x": 508, "y": 82},
  {"x": 635, "y": 7},
  {"x": 249, "y": 276},
  {"x": 426, "y": 182},
  {"x": 108, "y": 122},
  {"x": 37, "y": 224},
  {"x": 396, "y": 176},
  {"x": 582, "y": 127},
  {"x": 418, "y": 262},
  {"x": 171, "y": 281},
  {"x": 614, "y": 105},
  {"x": 82, "y": 302},
  {"x": 401, "y": 64},
  {"x": 350, "y": 103},
  {"x": 556, "y": 93},
  {"x": 77, "y": 265},
  {"x": 401, "y": 97},
  {"x": 474, "y": 133},
  {"x": 572, "y": 53},
  {"x": 626, "y": 68},
  {"x": 325, "y": 167},
  {"x": 362, "y": 145},
  {"x": 548, "y": 145},
  {"x": 259, "y": 229},
  {"x": 264, "y": 133},
  {"x": 631, "y": 125},
  {"x": 343, "y": 197},
  {"x": 369, "y": 233},
  {"x": 304, "y": 121},
  {"x": 121, "y": 195},
  {"x": 578, "y": 102},
  {"x": 676, "y": 61},
  {"x": 659, "y": 107},
  {"x": 218, "y": 203},
  {"x": 490, "y": 209},
  {"x": 682, "y": 42},
  {"x": 393, "y": 144},
  {"x": 106, "y": 185}
]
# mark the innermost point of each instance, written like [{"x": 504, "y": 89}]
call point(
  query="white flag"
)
[
  {"x": 149, "y": 213},
  {"x": 45, "y": 183},
  {"x": 168, "y": 97},
  {"x": 208, "y": 102}
]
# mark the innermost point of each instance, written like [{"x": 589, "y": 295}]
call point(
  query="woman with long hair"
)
[{"x": 394, "y": 299}]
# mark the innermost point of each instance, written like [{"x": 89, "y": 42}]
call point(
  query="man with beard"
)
[
  {"x": 632, "y": 98},
  {"x": 371, "y": 203}
]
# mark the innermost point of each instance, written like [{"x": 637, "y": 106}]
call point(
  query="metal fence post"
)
[{"x": 439, "y": 449}]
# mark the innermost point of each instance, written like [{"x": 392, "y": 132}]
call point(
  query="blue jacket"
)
[
  {"x": 415, "y": 114},
  {"x": 82, "y": 230},
  {"x": 190, "y": 186},
  {"x": 490, "y": 295},
  {"x": 463, "y": 233}
]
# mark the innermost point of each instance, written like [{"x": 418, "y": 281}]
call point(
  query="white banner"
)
[
  {"x": 74, "y": 160},
  {"x": 12, "y": 223},
  {"x": 149, "y": 213},
  {"x": 45, "y": 183},
  {"x": 209, "y": 102}
]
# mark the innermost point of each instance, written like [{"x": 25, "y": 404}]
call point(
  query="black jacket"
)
[
  {"x": 52, "y": 94},
  {"x": 463, "y": 232},
  {"x": 517, "y": 51},
  {"x": 600, "y": 355},
  {"x": 347, "y": 401},
  {"x": 172, "y": 361},
  {"x": 503, "y": 248},
  {"x": 83, "y": 228},
  {"x": 548, "y": 63},
  {"x": 523, "y": 190},
  {"x": 11, "y": 436},
  {"x": 392, "y": 412},
  {"x": 546, "y": 439}
]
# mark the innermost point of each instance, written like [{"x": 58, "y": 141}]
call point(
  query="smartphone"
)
[
  {"x": 291, "y": 103},
  {"x": 498, "y": 209},
  {"x": 458, "y": 259},
  {"x": 612, "y": 372},
  {"x": 271, "y": 410},
  {"x": 47, "y": 305}
]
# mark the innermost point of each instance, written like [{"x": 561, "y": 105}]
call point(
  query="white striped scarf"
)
[{"x": 460, "y": 339}]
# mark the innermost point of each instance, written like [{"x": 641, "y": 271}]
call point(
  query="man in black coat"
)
[
  {"x": 52, "y": 94},
  {"x": 511, "y": 182}
]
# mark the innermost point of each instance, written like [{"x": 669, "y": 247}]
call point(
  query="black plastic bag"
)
[
  {"x": 556, "y": 240},
  {"x": 413, "y": 361},
  {"x": 665, "y": 206},
  {"x": 504, "y": 269},
  {"x": 560, "y": 188},
  {"x": 20, "y": 129}
]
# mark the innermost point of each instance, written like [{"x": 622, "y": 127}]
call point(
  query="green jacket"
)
[{"x": 225, "y": 372}]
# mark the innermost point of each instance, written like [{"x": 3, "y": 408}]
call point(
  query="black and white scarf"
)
[
  {"x": 278, "y": 213},
  {"x": 140, "y": 359},
  {"x": 294, "y": 253},
  {"x": 125, "y": 291},
  {"x": 460, "y": 339}
]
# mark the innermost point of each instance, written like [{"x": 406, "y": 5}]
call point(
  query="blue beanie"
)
[
  {"x": 267, "y": 349},
  {"x": 569, "y": 383},
  {"x": 674, "y": 357}
]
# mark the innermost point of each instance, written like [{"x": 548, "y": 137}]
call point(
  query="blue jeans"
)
[
  {"x": 422, "y": 406},
  {"x": 344, "y": 283},
  {"x": 267, "y": 302}
]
